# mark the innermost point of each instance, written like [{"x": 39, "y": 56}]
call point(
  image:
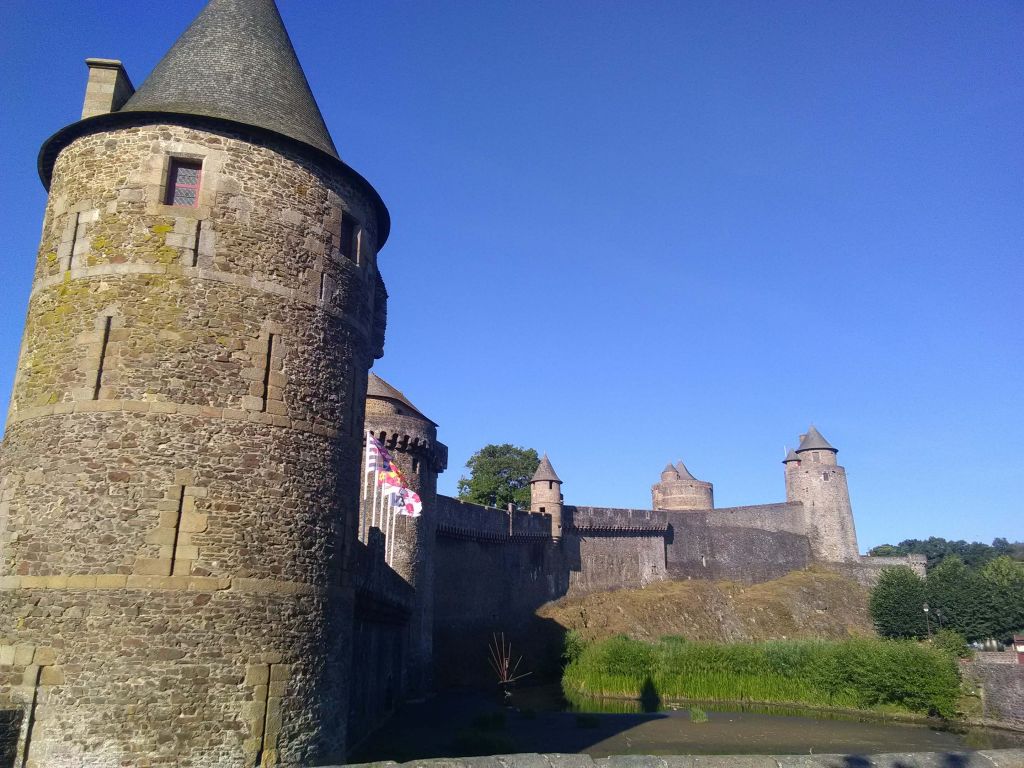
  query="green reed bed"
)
[{"x": 852, "y": 674}]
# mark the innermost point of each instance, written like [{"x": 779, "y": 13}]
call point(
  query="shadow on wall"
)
[
  {"x": 947, "y": 760},
  {"x": 10, "y": 728}
]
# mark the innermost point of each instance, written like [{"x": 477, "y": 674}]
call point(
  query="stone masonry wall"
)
[
  {"x": 1002, "y": 691},
  {"x": 179, "y": 475}
]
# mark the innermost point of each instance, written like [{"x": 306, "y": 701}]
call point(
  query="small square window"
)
[
  {"x": 183, "y": 183},
  {"x": 349, "y": 245}
]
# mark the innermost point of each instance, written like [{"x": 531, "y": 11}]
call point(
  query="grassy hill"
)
[{"x": 804, "y": 604}]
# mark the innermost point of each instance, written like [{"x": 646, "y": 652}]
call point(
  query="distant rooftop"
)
[
  {"x": 380, "y": 389},
  {"x": 545, "y": 472}
]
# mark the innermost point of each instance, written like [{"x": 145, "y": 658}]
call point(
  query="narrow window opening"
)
[
  {"x": 323, "y": 287},
  {"x": 30, "y": 726},
  {"x": 542, "y": 509},
  {"x": 103, "y": 356},
  {"x": 183, "y": 183},
  {"x": 266, "y": 370},
  {"x": 349, "y": 245},
  {"x": 816, "y": 455},
  {"x": 195, "y": 246},
  {"x": 551, "y": 484},
  {"x": 177, "y": 526},
  {"x": 415, "y": 465},
  {"x": 266, "y": 717},
  {"x": 74, "y": 240}
]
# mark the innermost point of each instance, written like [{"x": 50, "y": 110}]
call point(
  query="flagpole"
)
[
  {"x": 363, "y": 490},
  {"x": 373, "y": 508},
  {"x": 394, "y": 518}
]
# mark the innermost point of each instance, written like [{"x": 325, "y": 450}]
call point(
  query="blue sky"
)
[{"x": 628, "y": 233}]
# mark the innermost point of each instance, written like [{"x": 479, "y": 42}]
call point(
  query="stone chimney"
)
[{"x": 108, "y": 88}]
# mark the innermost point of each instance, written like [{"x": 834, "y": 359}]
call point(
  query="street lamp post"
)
[{"x": 927, "y": 622}]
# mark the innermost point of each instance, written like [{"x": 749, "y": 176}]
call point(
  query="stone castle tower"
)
[
  {"x": 411, "y": 439},
  {"x": 681, "y": 491},
  {"x": 815, "y": 479},
  {"x": 179, "y": 478},
  {"x": 546, "y": 495}
]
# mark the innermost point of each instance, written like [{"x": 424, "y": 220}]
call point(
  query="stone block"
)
[
  {"x": 280, "y": 672},
  {"x": 81, "y": 582},
  {"x": 193, "y": 522},
  {"x": 45, "y": 656},
  {"x": 10, "y": 582},
  {"x": 160, "y": 536},
  {"x": 251, "y": 403},
  {"x": 146, "y": 566},
  {"x": 111, "y": 581},
  {"x": 187, "y": 552},
  {"x": 51, "y": 676},
  {"x": 208, "y": 584},
  {"x": 6, "y": 655},
  {"x": 23, "y": 655},
  {"x": 257, "y": 674}
]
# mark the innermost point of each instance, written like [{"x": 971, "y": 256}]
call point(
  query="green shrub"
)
[
  {"x": 953, "y": 643},
  {"x": 698, "y": 715},
  {"x": 861, "y": 673},
  {"x": 572, "y": 646}
]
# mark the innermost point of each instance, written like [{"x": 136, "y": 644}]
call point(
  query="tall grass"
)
[{"x": 855, "y": 674}]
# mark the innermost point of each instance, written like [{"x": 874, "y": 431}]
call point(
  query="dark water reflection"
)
[{"x": 463, "y": 723}]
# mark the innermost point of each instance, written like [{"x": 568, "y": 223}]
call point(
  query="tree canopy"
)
[
  {"x": 973, "y": 554},
  {"x": 977, "y": 603},
  {"x": 499, "y": 474}
]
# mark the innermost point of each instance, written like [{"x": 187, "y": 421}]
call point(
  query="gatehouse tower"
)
[
  {"x": 411, "y": 440},
  {"x": 180, "y": 473}
]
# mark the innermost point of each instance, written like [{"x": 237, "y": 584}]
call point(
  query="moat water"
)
[{"x": 464, "y": 723}]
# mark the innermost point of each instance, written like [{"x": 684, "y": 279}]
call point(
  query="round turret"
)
[
  {"x": 546, "y": 495},
  {"x": 179, "y": 475},
  {"x": 680, "y": 490},
  {"x": 411, "y": 439},
  {"x": 814, "y": 478}
]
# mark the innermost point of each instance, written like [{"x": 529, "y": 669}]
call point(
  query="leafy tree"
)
[
  {"x": 886, "y": 550},
  {"x": 1003, "y": 581},
  {"x": 936, "y": 549},
  {"x": 897, "y": 603},
  {"x": 499, "y": 474},
  {"x": 958, "y": 597},
  {"x": 952, "y": 643}
]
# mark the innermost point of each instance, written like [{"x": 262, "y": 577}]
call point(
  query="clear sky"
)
[{"x": 633, "y": 232}]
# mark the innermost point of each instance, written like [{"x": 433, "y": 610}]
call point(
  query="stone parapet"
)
[{"x": 987, "y": 758}]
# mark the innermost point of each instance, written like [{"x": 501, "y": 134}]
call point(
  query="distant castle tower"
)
[
  {"x": 411, "y": 439},
  {"x": 546, "y": 495},
  {"x": 179, "y": 477},
  {"x": 815, "y": 479},
  {"x": 679, "y": 490}
]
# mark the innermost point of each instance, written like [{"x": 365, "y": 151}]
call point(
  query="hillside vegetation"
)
[{"x": 804, "y": 604}]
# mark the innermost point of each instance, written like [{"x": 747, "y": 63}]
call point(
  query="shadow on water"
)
[{"x": 650, "y": 699}]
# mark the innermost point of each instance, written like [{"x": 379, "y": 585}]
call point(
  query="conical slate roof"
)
[
  {"x": 684, "y": 473},
  {"x": 236, "y": 62},
  {"x": 791, "y": 456},
  {"x": 378, "y": 388},
  {"x": 545, "y": 471},
  {"x": 813, "y": 441}
]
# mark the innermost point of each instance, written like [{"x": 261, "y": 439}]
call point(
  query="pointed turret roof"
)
[
  {"x": 813, "y": 441},
  {"x": 669, "y": 468},
  {"x": 545, "y": 471},
  {"x": 791, "y": 456},
  {"x": 378, "y": 388},
  {"x": 236, "y": 62},
  {"x": 684, "y": 473}
]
